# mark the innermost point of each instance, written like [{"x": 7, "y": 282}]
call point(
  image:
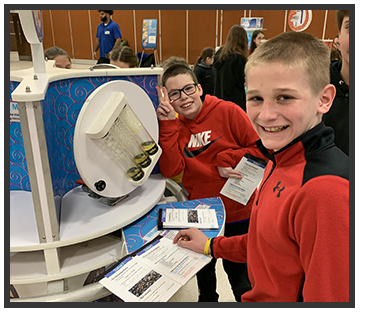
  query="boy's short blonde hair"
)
[{"x": 296, "y": 50}]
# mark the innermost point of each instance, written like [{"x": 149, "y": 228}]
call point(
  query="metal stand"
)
[{"x": 155, "y": 54}]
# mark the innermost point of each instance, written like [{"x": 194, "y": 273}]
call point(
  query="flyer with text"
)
[
  {"x": 241, "y": 190},
  {"x": 186, "y": 218},
  {"x": 156, "y": 273}
]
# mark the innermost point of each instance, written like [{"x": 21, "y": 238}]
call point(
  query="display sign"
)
[
  {"x": 149, "y": 33},
  {"x": 328, "y": 43},
  {"x": 14, "y": 112},
  {"x": 252, "y": 23},
  {"x": 299, "y": 20},
  {"x": 38, "y": 23}
]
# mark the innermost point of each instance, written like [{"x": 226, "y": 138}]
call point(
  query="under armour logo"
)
[{"x": 279, "y": 189}]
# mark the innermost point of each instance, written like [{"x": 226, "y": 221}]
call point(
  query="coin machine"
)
[{"x": 83, "y": 164}]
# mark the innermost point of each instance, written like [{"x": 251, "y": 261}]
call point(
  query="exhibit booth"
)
[{"x": 71, "y": 195}]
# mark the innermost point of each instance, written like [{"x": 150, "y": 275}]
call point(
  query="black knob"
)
[{"x": 100, "y": 185}]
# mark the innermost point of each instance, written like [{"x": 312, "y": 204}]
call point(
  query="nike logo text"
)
[{"x": 199, "y": 140}]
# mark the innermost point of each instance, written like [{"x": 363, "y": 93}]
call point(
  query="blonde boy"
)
[{"x": 297, "y": 248}]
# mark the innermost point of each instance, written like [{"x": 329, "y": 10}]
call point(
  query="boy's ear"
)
[
  {"x": 200, "y": 90},
  {"x": 326, "y": 98}
]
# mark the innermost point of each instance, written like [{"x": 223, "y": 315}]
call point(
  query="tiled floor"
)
[{"x": 189, "y": 292}]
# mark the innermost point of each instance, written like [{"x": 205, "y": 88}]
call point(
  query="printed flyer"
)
[{"x": 155, "y": 273}]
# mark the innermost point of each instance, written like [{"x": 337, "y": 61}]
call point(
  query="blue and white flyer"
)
[{"x": 156, "y": 273}]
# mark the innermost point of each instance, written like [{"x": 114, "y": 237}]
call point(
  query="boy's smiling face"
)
[
  {"x": 281, "y": 104},
  {"x": 187, "y": 106}
]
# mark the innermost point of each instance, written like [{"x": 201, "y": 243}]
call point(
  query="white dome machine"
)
[{"x": 114, "y": 142}]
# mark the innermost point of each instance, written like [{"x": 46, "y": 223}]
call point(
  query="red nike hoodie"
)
[{"x": 220, "y": 135}]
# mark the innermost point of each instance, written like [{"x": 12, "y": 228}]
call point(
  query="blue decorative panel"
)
[{"x": 19, "y": 177}]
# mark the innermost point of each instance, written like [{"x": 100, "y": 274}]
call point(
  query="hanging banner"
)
[
  {"x": 149, "y": 33},
  {"x": 299, "y": 20}
]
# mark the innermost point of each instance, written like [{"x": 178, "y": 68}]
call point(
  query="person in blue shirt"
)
[{"x": 108, "y": 36}]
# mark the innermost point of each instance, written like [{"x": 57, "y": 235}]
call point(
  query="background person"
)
[
  {"x": 60, "y": 56},
  {"x": 203, "y": 69},
  {"x": 229, "y": 64},
  {"x": 338, "y": 116},
  {"x": 336, "y": 45},
  {"x": 257, "y": 37},
  {"x": 124, "y": 57},
  {"x": 335, "y": 54},
  {"x": 336, "y": 42},
  {"x": 108, "y": 36}
]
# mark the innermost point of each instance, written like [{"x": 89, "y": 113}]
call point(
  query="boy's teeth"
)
[
  {"x": 186, "y": 105},
  {"x": 275, "y": 128}
]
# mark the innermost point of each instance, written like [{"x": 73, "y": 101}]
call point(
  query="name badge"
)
[
  {"x": 107, "y": 32},
  {"x": 241, "y": 190}
]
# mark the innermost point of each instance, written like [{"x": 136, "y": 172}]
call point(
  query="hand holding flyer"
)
[{"x": 241, "y": 190}]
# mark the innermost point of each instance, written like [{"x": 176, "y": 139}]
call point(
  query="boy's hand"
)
[
  {"x": 164, "y": 110},
  {"x": 193, "y": 239},
  {"x": 229, "y": 172}
]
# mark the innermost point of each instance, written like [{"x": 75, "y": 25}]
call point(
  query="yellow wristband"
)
[{"x": 206, "y": 248}]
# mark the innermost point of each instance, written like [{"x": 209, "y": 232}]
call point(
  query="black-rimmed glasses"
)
[{"x": 175, "y": 94}]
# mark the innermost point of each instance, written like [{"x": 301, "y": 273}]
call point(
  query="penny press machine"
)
[{"x": 83, "y": 164}]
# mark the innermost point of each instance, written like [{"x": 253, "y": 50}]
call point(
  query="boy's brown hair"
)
[
  {"x": 172, "y": 61},
  {"x": 340, "y": 15},
  {"x": 178, "y": 69},
  {"x": 296, "y": 50}
]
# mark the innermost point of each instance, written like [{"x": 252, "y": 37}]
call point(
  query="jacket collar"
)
[{"x": 316, "y": 139}]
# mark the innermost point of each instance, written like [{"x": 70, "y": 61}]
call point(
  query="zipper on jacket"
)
[{"x": 262, "y": 185}]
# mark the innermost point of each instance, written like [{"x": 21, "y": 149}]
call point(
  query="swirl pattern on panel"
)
[
  {"x": 61, "y": 107},
  {"x": 19, "y": 177}
]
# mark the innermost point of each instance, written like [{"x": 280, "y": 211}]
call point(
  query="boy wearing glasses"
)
[{"x": 206, "y": 141}]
